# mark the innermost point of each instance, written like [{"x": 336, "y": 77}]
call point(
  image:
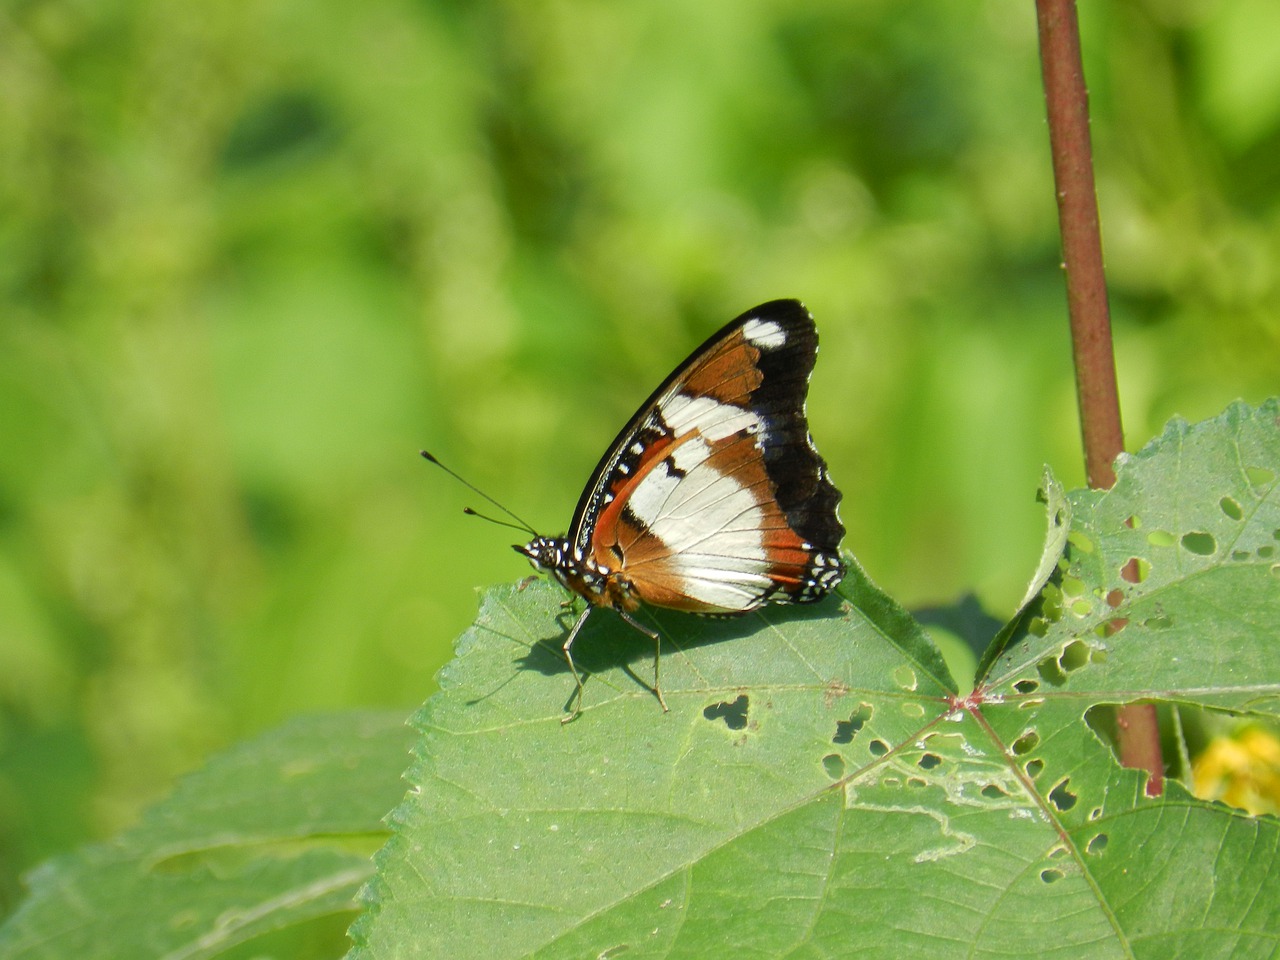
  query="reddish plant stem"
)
[{"x": 1067, "y": 105}]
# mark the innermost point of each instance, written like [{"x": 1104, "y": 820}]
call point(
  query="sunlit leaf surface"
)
[{"x": 818, "y": 790}]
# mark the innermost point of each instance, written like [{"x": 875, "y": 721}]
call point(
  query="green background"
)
[{"x": 252, "y": 257}]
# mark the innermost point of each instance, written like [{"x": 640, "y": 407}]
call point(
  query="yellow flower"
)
[{"x": 1242, "y": 770}]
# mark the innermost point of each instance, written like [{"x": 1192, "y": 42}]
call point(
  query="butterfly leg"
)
[
  {"x": 657, "y": 655},
  {"x": 576, "y": 699}
]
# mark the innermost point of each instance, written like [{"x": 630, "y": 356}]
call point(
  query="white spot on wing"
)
[
  {"x": 710, "y": 525},
  {"x": 765, "y": 334},
  {"x": 714, "y": 420},
  {"x": 690, "y": 454},
  {"x": 649, "y": 499},
  {"x": 732, "y": 595}
]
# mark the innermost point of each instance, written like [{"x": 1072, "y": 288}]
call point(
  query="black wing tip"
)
[{"x": 787, "y": 309}]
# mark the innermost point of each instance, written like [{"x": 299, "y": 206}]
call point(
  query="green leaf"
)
[
  {"x": 1058, "y": 527},
  {"x": 1195, "y": 519},
  {"x": 818, "y": 788},
  {"x": 274, "y": 832}
]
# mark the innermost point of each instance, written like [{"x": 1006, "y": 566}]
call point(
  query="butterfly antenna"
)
[
  {"x": 430, "y": 458},
  {"x": 502, "y": 523}
]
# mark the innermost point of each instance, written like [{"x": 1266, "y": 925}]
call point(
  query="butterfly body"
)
[
  {"x": 584, "y": 576},
  {"x": 713, "y": 499}
]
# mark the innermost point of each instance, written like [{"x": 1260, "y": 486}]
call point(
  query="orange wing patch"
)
[
  {"x": 729, "y": 375},
  {"x": 717, "y": 544}
]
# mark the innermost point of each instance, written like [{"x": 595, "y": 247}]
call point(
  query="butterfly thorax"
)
[{"x": 599, "y": 585}]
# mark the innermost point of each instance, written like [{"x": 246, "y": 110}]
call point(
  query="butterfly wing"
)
[{"x": 713, "y": 498}]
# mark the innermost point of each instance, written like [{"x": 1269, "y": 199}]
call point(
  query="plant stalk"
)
[{"x": 1067, "y": 104}]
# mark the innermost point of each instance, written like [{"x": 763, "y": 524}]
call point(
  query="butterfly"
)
[{"x": 713, "y": 499}]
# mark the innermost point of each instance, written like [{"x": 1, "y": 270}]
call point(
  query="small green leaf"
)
[{"x": 274, "y": 832}]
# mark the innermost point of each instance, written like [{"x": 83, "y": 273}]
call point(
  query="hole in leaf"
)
[
  {"x": 1275, "y": 570},
  {"x": 1099, "y": 654},
  {"x": 1051, "y": 875},
  {"x": 1074, "y": 656},
  {"x": 916, "y": 782},
  {"x": 1260, "y": 476},
  {"x": 1072, "y": 586},
  {"x": 912, "y": 709},
  {"x": 1115, "y": 598},
  {"x": 1027, "y": 686},
  {"x": 1161, "y": 538},
  {"x": 1231, "y": 508},
  {"x": 1034, "y": 767},
  {"x": 733, "y": 714},
  {"x": 846, "y": 730},
  {"x": 928, "y": 761},
  {"x": 1158, "y": 623},
  {"x": 1080, "y": 541},
  {"x": 1051, "y": 602},
  {"x": 1266, "y": 553},
  {"x": 1239, "y": 555},
  {"x": 904, "y": 677},
  {"x": 1135, "y": 570},
  {"x": 1108, "y": 628},
  {"x": 1200, "y": 543},
  {"x": 1026, "y": 743},
  {"x": 1097, "y": 844},
  {"x": 1050, "y": 672},
  {"x": 833, "y": 763},
  {"x": 993, "y": 791},
  {"x": 1061, "y": 797},
  {"x": 878, "y": 748},
  {"x": 1095, "y": 813},
  {"x": 1038, "y": 626}
]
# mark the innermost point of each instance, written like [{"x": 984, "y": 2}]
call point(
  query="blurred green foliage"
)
[{"x": 252, "y": 257}]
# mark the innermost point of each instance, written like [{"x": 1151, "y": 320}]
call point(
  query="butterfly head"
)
[
  {"x": 556, "y": 556},
  {"x": 546, "y": 553},
  {"x": 553, "y": 555}
]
